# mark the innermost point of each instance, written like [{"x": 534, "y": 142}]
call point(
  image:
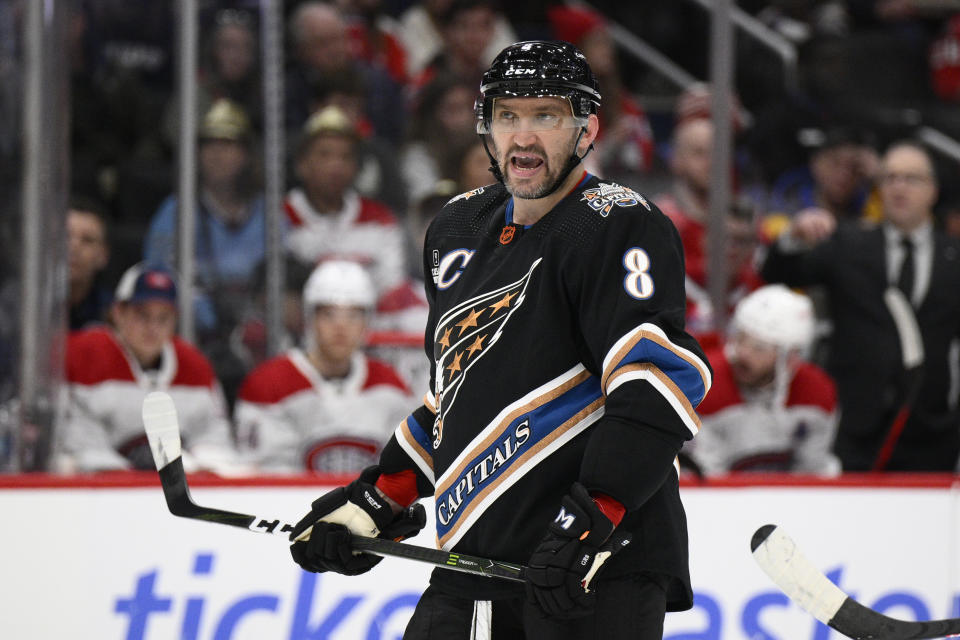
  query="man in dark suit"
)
[{"x": 855, "y": 264}]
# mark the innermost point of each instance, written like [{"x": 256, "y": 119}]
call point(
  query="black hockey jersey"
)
[{"x": 558, "y": 351}]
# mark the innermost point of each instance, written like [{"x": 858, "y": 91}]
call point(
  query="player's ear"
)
[{"x": 593, "y": 129}]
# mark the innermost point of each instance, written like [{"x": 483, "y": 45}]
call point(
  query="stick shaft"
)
[{"x": 173, "y": 479}]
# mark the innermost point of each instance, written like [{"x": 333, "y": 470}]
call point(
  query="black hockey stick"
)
[
  {"x": 163, "y": 432},
  {"x": 911, "y": 348},
  {"x": 796, "y": 576}
]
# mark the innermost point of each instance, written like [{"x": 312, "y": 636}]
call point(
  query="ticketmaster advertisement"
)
[{"x": 113, "y": 564}]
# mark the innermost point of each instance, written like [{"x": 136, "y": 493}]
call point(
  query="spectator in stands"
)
[
  {"x": 229, "y": 234},
  {"x": 322, "y": 51},
  {"x": 625, "y": 147},
  {"x": 88, "y": 252},
  {"x": 111, "y": 370},
  {"x": 443, "y": 123},
  {"x": 130, "y": 49},
  {"x": 379, "y": 176},
  {"x": 741, "y": 249},
  {"x": 839, "y": 178},
  {"x": 229, "y": 70},
  {"x": 230, "y": 216},
  {"x": 769, "y": 409},
  {"x": 944, "y": 61},
  {"x": 467, "y": 27},
  {"x": 856, "y": 265},
  {"x": 328, "y": 407},
  {"x": 328, "y": 217},
  {"x": 688, "y": 201},
  {"x": 374, "y": 38},
  {"x": 687, "y": 206},
  {"x": 421, "y": 30}
]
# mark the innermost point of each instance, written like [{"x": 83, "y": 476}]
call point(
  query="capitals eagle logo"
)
[{"x": 464, "y": 335}]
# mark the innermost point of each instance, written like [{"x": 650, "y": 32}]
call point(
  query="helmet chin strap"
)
[{"x": 572, "y": 162}]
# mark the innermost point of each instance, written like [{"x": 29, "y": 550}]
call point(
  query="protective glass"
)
[{"x": 548, "y": 118}]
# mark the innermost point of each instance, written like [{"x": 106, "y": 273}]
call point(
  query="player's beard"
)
[{"x": 552, "y": 168}]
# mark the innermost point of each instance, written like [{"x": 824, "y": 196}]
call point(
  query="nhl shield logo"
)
[{"x": 604, "y": 198}]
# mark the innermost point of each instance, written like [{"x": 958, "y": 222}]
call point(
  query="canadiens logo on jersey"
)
[
  {"x": 605, "y": 197},
  {"x": 465, "y": 334}
]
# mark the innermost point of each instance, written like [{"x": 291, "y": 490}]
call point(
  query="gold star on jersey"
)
[{"x": 465, "y": 334}]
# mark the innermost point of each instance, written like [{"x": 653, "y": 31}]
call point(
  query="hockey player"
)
[
  {"x": 327, "y": 407},
  {"x": 111, "y": 370},
  {"x": 563, "y": 387},
  {"x": 769, "y": 410}
]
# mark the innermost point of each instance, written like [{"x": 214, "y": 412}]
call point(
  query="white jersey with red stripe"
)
[
  {"x": 750, "y": 431},
  {"x": 363, "y": 230},
  {"x": 291, "y": 419},
  {"x": 103, "y": 427}
]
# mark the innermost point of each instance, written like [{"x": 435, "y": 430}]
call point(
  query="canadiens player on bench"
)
[{"x": 563, "y": 387}]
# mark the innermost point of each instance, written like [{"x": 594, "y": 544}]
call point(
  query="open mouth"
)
[{"x": 525, "y": 164}]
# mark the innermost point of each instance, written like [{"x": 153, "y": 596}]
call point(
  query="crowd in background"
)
[{"x": 380, "y": 133}]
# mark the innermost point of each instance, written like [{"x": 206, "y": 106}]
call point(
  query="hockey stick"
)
[
  {"x": 911, "y": 348},
  {"x": 163, "y": 432},
  {"x": 796, "y": 576}
]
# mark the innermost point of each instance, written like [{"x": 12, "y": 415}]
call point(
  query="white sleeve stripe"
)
[
  {"x": 414, "y": 450},
  {"x": 655, "y": 334},
  {"x": 664, "y": 385}
]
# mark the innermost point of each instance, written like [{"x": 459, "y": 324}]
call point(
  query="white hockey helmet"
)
[
  {"x": 778, "y": 316},
  {"x": 339, "y": 282}
]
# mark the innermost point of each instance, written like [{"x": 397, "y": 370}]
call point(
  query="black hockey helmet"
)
[{"x": 538, "y": 68}]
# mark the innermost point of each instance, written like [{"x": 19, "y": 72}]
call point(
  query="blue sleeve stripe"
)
[
  {"x": 664, "y": 385},
  {"x": 648, "y": 343},
  {"x": 416, "y": 443}
]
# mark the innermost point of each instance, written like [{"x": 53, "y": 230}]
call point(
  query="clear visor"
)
[{"x": 514, "y": 115}]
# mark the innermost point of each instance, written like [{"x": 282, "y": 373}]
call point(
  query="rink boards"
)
[{"x": 102, "y": 558}]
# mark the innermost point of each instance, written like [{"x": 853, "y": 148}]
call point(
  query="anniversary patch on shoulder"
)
[
  {"x": 604, "y": 198},
  {"x": 467, "y": 195}
]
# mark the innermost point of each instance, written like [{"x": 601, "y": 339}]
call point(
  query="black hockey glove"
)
[
  {"x": 578, "y": 542},
  {"x": 321, "y": 540}
]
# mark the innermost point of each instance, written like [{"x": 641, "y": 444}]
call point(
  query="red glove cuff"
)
[
  {"x": 401, "y": 487},
  {"x": 607, "y": 505}
]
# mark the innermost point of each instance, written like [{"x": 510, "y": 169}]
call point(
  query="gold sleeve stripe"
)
[{"x": 662, "y": 383}]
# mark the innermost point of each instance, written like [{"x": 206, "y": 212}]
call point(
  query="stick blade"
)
[
  {"x": 777, "y": 554},
  {"x": 163, "y": 431}
]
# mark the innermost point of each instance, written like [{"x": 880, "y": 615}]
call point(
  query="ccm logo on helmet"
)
[
  {"x": 519, "y": 72},
  {"x": 455, "y": 261}
]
